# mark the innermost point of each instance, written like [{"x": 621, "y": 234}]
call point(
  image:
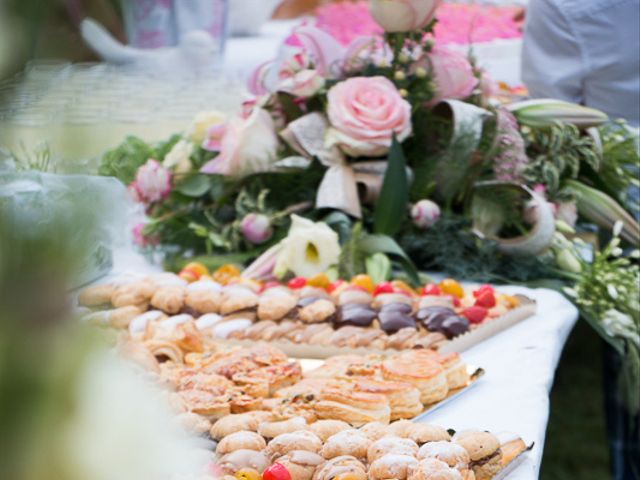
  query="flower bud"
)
[
  {"x": 256, "y": 228},
  {"x": 403, "y": 15},
  {"x": 567, "y": 261},
  {"x": 425, "y": 213}
]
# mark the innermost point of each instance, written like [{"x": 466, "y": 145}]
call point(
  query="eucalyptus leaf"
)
[
  {"x": 194, "y": 185},
  {"x": 394, "y": 196}
]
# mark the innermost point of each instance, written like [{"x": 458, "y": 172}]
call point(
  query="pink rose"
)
[
  {"x": 365, "y": 113},
  {"x": 425, "y": 214},
  {"x": 293, "y": 74},
  {"x": 153, "y": 182},
  {"x": 256, "y": 228},
  {"x": 403, "y": 15},
  {"x": 305, "y": 83},
  {"x": 249, "y": 145},
  {"x": 452, "y": 73}
]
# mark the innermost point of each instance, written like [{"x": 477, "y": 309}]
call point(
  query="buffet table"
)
[{"x": 520, "y": 364}]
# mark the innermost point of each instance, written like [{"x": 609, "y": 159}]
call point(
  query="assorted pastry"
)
[
  {"x": 359, "y": 313},
  {"x": 357, "y": 389},
  {"x": 334, "y": 450}
]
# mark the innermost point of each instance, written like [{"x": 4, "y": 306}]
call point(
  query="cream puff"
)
[
  {"x": 243, "y": 440},
  {"x": 424, "y": 432},
  {"x": 374, "y": 430},
  {"x": 287, "y": 442},
  {"x": 431, "y": 468},
  {"x": 397, "y": 445},
  {"x": 240, "y": 459},
  {"x": 351, "y": 442},
  {"x": 341, "y": 466},
  {"x": 301, "y": 464},
  {"x": 392, "y": 466},
  {"x": 273, "y": 429},
  {"x": 238, "y": 422},
  {"x": 326, "y": 428},
  {"x": 450, "y": 453}
]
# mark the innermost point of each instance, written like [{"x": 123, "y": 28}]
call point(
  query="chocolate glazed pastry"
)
[
  {"x": 396, "y": 316},
  {"x": 443, "y": 320},
  {"x": 355, "y": 314}
]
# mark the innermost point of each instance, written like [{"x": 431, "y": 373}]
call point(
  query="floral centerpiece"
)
[{"x": 389, "y": 152}]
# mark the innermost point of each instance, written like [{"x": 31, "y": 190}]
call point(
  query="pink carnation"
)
[
  {"x": 153, "y": 182},
  {"x": 142, "y": 240}
]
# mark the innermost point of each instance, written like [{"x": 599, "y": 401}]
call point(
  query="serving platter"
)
[{"x": 458, "y": 344}]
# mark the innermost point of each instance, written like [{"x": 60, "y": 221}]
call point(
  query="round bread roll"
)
[
  {"x": 239, "y": 459},
  {"x": 431, "y": 469},
  {"x": 326, "y": 428},
  {"x": 273, "y": 429},
  {"x": 393, "y": 466},
  {"x": 243, "y": 440},
  {"x": 397, "y": 445},
  {"x": 288, "y": 442},
  {"x": 301, "y": 464},
  {"x": 238, "y": 422},
  {"x": 347, "y": 442},
  {"x": 423, "y": 433}
]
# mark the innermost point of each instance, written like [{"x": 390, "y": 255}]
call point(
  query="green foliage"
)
[
  {"x": 123, "y": 162},
  {"x": 451, "y": 246},
  {"x": 620, "y": 166},
  {"x": 391, "y": 207},
  {"x": 556, "y": 154}
]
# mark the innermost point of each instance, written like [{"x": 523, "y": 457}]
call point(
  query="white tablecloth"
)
[{"x": 520, "y": 363}]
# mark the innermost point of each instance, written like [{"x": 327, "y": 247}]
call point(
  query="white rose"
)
[
  {"x": 178, "y": 158},
  {"x": 403, "y": 15},
  {"x": 309, "y": 248},
  {"x": 197, "y": 132},
  {"x": 249, "y": 145}
]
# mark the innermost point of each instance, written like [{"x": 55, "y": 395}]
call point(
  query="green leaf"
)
[
  {"x": 378, "y": 267},
  {"x": 194, "y": 185},
  {"x": 341, "y": 223},
  {"x": 394, "y": 196},
  {"x": 372, "y": 244}
]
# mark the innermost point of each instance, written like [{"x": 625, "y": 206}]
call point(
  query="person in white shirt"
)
[{"x": 585, "y": 51}]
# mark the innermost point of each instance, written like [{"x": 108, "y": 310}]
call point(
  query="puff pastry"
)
[{"x": 425, "y": 374}]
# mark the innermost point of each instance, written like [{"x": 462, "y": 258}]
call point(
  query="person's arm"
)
[{"x": 552, "y": 60}]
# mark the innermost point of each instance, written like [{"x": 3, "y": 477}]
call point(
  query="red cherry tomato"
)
[
  {"x": 486, "y": 299},
  {"x": 475, "y": 314},
  {"x": 333, "y": 285},
  {"x": 383, "y": 287},
  {"x": 297, "y": 282},
  {"x": 481, "y": 289},
  {"x": 455, "y": 300},
  {"x": 277, "y": 471},
  {"x": 431, "y": 289}
]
